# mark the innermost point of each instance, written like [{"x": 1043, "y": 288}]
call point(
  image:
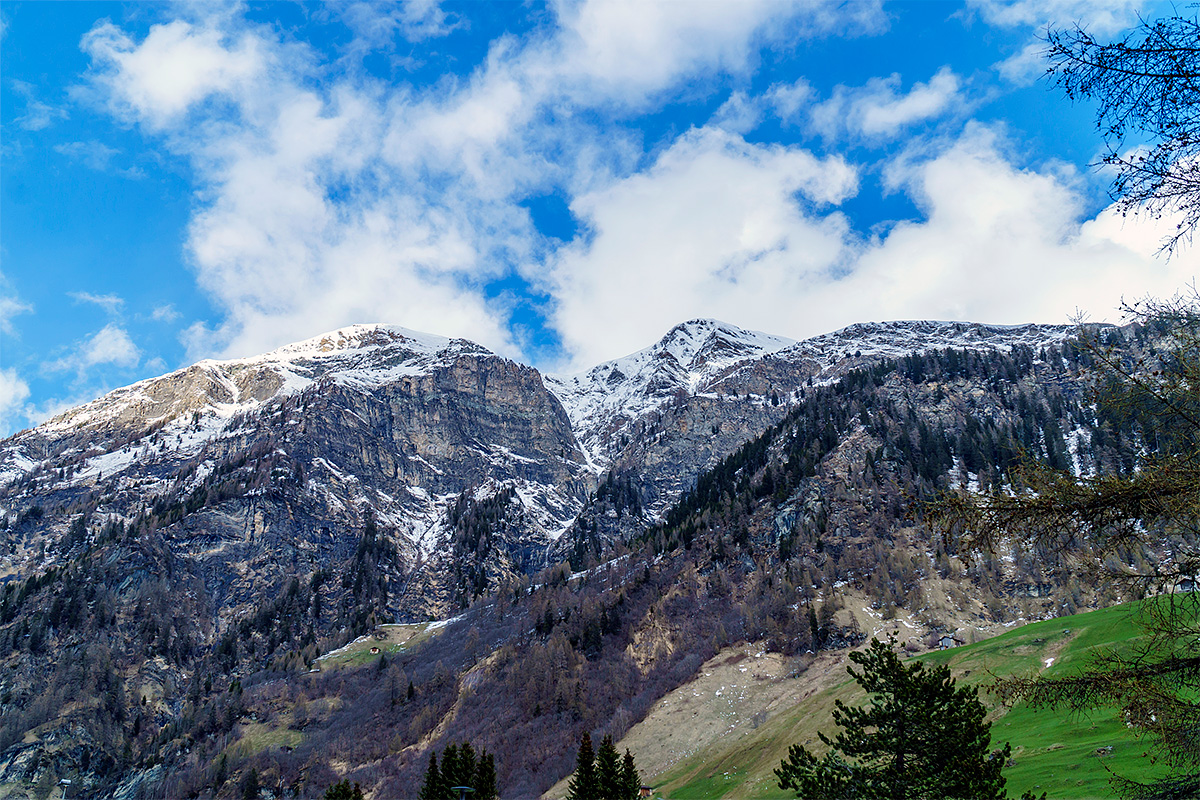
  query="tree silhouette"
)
[{"x": 1147, "y": 84}]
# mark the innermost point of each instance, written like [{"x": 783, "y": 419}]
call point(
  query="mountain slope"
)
[{"x": 217, "y": 529}]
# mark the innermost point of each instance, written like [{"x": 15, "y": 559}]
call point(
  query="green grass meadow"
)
[{"x": 1063, "y": 755}]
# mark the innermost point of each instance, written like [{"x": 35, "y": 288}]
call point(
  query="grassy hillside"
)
[{"x": 1064, "y": 756}]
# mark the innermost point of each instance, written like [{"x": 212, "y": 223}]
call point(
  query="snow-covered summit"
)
[
  {"x": 357, "y": 355},
  {"x": 704, "y": 356},
  {"x": 898, "y": 338},
  {"x": 687, "y": 359}
]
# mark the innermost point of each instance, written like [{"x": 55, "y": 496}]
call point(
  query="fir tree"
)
[
  {"x": 467, "y": 765},
  {"x": 343, "y": 791},
  {"x": 250, "y": 786},
  {"x": 583, "y": 782},
  {"x": 631, "y": 782},
  {"x": 608, "y": 770},
  {"x": 1097, "y": 521},
  {"x": 433, "y": 787},
  {"x": 485, "y": 778},
  {"x": 450, "y": 774},
  {"x": 919, "y": 737}
]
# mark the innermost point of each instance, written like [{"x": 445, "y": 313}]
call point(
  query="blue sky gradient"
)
[{"x": 561, "y": 182}]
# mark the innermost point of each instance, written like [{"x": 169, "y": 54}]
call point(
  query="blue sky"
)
[{"x": 561, "y": 182}]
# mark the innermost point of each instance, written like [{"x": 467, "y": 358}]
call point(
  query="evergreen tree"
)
[
  {"x": 583, "y": 782},
  {"x": 919, "y": 737},
  {"x": 450, "y": 772},
  {"x": 631, "y": 782},
  {"x": 343, "y": 791},
  {"x": 467, "y": 765},
  {"x": 485, "y": 778},
  {"x": 250, "y": 786},
  {"x": 433, "y": 787},
  {"x": 608, "y": 770}
]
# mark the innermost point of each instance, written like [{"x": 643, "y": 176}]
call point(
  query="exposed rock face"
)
[
  {"x": 311, "y": 440},
  {"x": 276, "y": 462}
]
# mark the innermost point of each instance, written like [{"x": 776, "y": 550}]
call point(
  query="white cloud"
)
[
  {"x": 1099, "y": 17},
  {"x": 788, "y": 100},
  {"x": 1006, "y": 245},
  {"x": 174, "y": 68},
  {"x": 376, "y": 24},
  {"x": 111, "y": 303},
  {"x": 630, "y": 51},
  {"x": 9, "y": 308},
  {"x": 38, "y": 115},
  {"x": 878, "y": 110},
  {"x": 165, "y": 313},
  {"x": 738, "y": 114},
  {"x": 96, "y": 155},
  {"x": 717, "y": 227},
  {"x": 353, "y": 202},
  {"x": 111, "y": 345},
  {"x": 14, "y": 391}
]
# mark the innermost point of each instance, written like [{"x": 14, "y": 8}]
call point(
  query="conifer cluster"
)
[
  {"x": 603, "y": 774},
  {"x": 460, "y": 767}
]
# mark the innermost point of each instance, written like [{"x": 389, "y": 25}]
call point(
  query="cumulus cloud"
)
[
  {"x": 879, "y": 110},
  {"x": 111, "y": 345},
  {"x": 721, "y": 228},
  {"x": 788, "y": 100},
  {"x": 175, "y": 67},
  {"x": 718, "y": 227},
  {"x": 14, "y": 391},
  {"x": 334, "y": 201},
  {"x": 339, "y": 201}
]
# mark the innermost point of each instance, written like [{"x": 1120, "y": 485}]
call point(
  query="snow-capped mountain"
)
[
  {"x": 693, "y": 358},
  {"x": 235, "y": 519},
  {"x": 302, "y": 445}
]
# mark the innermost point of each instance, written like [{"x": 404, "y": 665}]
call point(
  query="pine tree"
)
[
  {"x": 919, "y": 737},
  {"x": 450, "y": 774},
  {"x": 608, "y": 770},
  {"x": 467, "y": 766},
  {"x": 485, "y": 778},
  {"x": 250, "y": 786},
  {"x": 433, "y": 787},
  {"x": 583, "y": 782},
  {"x": 631, "y": 782},
  {"x": 343, "y": 791}
]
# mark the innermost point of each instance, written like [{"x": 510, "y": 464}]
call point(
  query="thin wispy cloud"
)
[
  {"x": 111, "y": 303},
  {"x": 38, "y": 115}
]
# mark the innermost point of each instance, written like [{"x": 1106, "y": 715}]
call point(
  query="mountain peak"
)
[
  {"x": 362, "y": 337},
  {"x": 700, "y": 343}
]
